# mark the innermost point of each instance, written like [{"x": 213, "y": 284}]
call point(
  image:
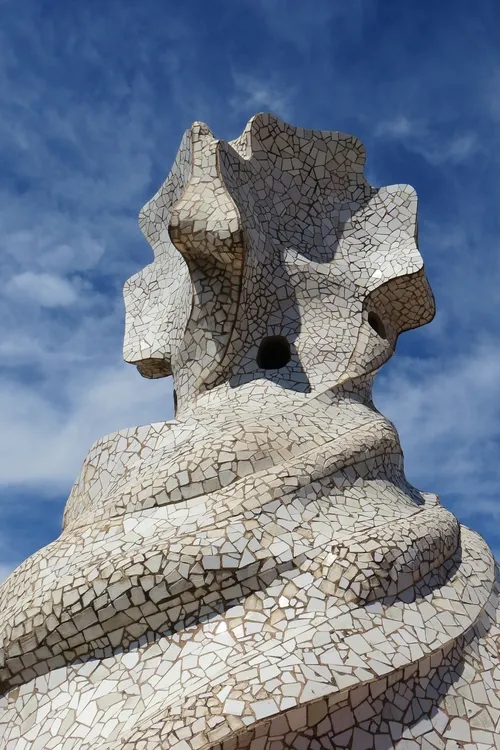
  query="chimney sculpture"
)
[{"x": 258, "y": 573}]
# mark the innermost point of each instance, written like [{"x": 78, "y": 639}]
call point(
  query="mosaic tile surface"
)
[{"x": 258, "y": 573}]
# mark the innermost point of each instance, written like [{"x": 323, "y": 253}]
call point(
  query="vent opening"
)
[
  {"x": 274, "y": 353},
  {"x": 377, "y": 325}
]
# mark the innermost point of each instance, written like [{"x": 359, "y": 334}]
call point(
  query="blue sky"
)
[{"x": 95, "y": 97}]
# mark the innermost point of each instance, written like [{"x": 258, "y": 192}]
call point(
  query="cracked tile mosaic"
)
[{"x": 258, "y": 573}]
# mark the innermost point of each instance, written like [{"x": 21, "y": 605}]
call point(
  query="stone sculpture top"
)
[
  {"x": 273, "y": 246},
  {"x": 258, "y": 572}
]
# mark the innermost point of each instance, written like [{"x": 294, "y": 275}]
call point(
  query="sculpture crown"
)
[{"x": 273, "y": 241}]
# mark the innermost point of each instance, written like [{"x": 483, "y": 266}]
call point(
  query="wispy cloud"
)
[
  {"x": 436, "y": 147},
  {"x": 254, "y": 95},
  {"x": 78, "y": 165},
  {"x": 46, "y": 289},
  {"x": 447, "y": 411},
  {"x": 49, "y": 435}
]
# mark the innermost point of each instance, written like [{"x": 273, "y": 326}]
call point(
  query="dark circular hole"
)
[
  {"x": 377, "y": 325},
  {"x": 274, "y": 352}
]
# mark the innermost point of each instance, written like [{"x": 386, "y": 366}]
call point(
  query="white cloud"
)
[
  {"x": 255, "y": 95},
  {"x": 50, "y": 240},
  {"x": 49, "y": 434},
  {"x": 447, "y": 412},
  {"x": 399, "y": 127},
  {"x": 80, "y": 171},
  {"x": 67, "y": 245},
  {"x": 421, "y": 137},
  {"x": 45, "y": 289},
  {"x": 460, "y": 148}
]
